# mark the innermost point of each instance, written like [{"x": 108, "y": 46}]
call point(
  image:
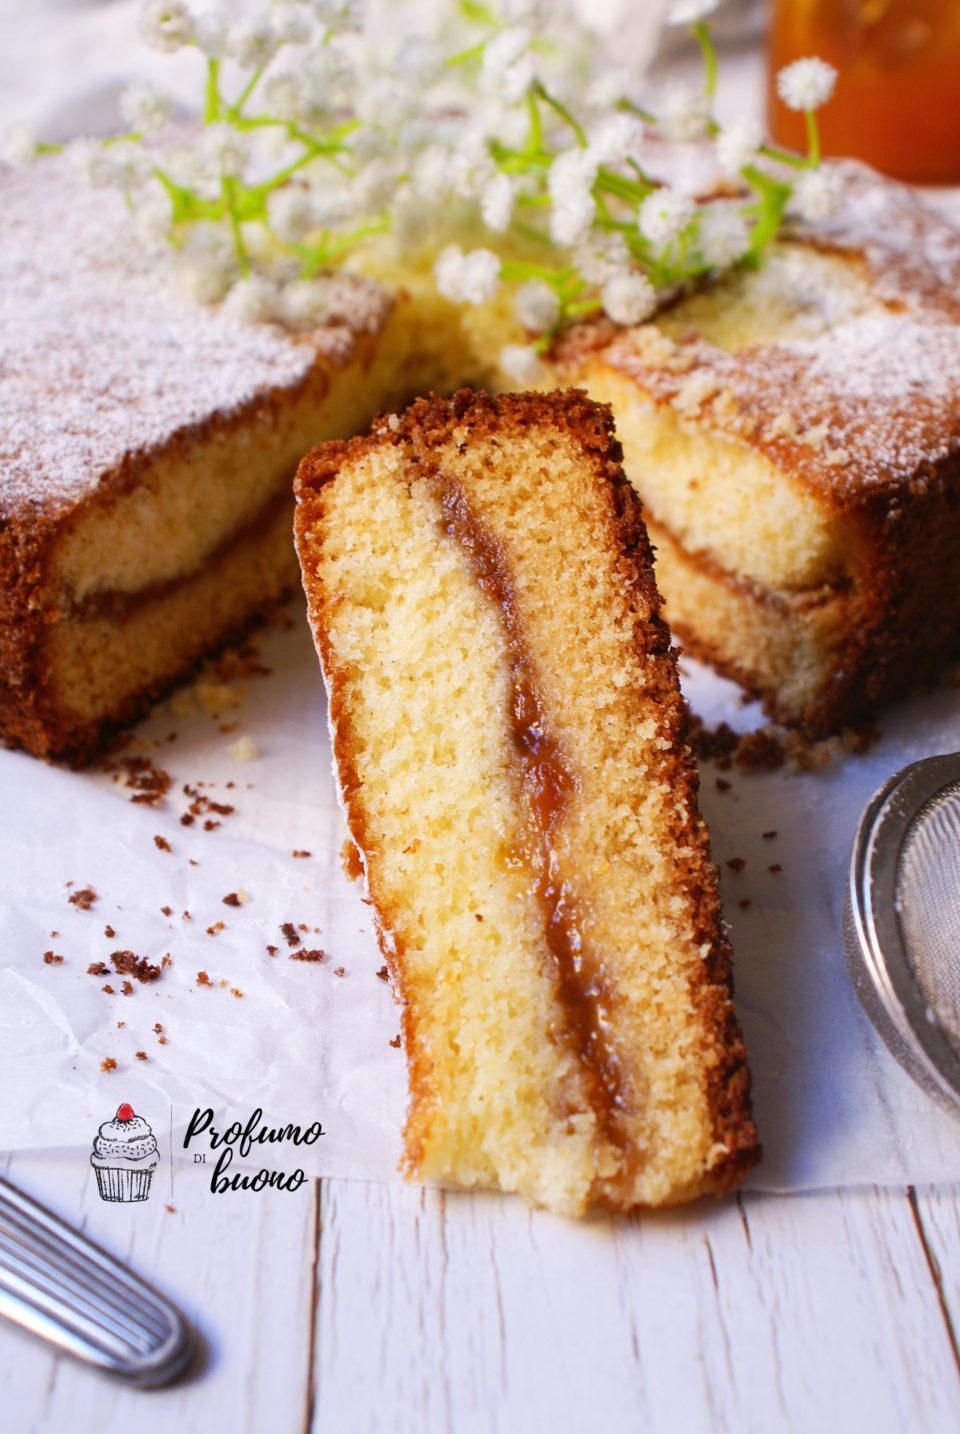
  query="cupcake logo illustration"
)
[{"x": 125, "y": 1156}]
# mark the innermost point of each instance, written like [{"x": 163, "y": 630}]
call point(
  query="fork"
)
[{"x": 59, "y": 1285}]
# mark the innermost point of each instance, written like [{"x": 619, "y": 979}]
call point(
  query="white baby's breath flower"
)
[
  {"x": 129, "y": 164},
  {"x": 602, "y": 257},
  {"x": 537, "y": 306},
  {"x": 153, "y": 215},
  {"x": 684, "y": 113},
  {"x": 737, "y": 145},
  {"x": 91, "y": 162},
  {"x": 723, "y": 234},
  {"x": 816, "y": 194},
  {"x": 628, "y": 298},
  {"x": 291, "y": 213},
  {"x": 291, "y": 26},
  {"x": 420, "y": 61},
  {"x": 145, "y": 109},
  {"x": 570, "y": 184},
  {"x": 252, "y": 301},
  {"x": 332, "y": 205},
  {"x": 227, "y": 148},
  {"x": 18, "y": 147},
  {"x": 496, "y": 203},
  {"x": 605, "y": 89},
  {"x": 211, "y": 34},
  {"x": 522, "y": 364},
  {"x": 205, "y": 283},
  {"x": 688, "y": 12},
  {"x": 252, "y": 43},
  {"x": 338, "y": 14},
  {"x": 166, "y": 24},
  {"x": 664, "y": 215},
  {"x": 806, "y": 84},
  {"x": 286, "y": 93},
  {"x": 471, "y": 278},
  {"x": 615, "y": 137},
  {"x": 373, "y": 186},
  {"x": 430, "y": 177},
  {"x": 306, "y": 304},
  {"x": 507, "y": 67}
]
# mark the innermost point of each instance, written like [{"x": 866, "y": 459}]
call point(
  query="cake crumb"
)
[
  {"x": 108, "y": 1064},
  {"x": 244, "y": 749},
  {"x": 158, "y": 1029},
  {"x": 167, "y": 910},
  {"x": 141, "y": 1055},
  {"x": 302, "y": 853},
  {"x": 217, "y": 697},
  {"x": 98, "y": 968},
  {"x": 383, "y": 974},
  {"x": 339, "y": 970},
  {"x": 736, "y": 864},
  {"x": 722, "y": 785},
  {"x": 695, "y": 391},
  {"x": 776, "y": 868},
  {"x": 109, "y": 932},
  {"x": 203, "y": 979},
  {"x": 54, "y": 935},
  {"x": 272, "y": 950},
  {"x": 769, "y": 836},
  {"x": 125, "y": 963},
  {"x": 148, "y": 784},
  {"x": 744, "y": 903},
  {"x": 235, "y": 991},
  {"x": 50, "y": 958},
  {"x": 290, "y": 933},
  {"x": 351, "y": 861},
  {"x": 162, "y": 844},
  {"x": 172, "y": 1209},
  {"x": 303, "y": 954},
  {"x": 216, "y": 928},
  {"x": 82, "y": 899},
  {"x": 395, "y": 1042},
  {"x": 108, "y": 990},
  {"x": 126, "y": 988},
  {"x": 783, "y": 425}
]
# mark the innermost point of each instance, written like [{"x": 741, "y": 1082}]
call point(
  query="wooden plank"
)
[
  {"x": 937, "y": 1217},
  {"x": 470, "y": 1312},
  {"x": 240, "y": 1266}
]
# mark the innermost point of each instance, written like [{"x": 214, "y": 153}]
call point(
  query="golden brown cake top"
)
[
  {"x": 102, "y": 356},
  {"x": 839, "y": 356}
]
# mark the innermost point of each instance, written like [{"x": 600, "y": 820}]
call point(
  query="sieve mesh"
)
[{"x": 928, "y": 904}]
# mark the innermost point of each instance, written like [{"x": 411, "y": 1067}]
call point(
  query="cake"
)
[
  {"x": 508, "y": 734},
  {"x": 147, "y": 450},
  {"x": 794, "y": 433}
]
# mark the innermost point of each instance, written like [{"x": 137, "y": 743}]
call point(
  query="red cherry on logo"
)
[{"x": 125, "y": 1112}]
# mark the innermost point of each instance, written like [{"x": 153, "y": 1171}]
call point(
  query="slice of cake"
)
[
  {"x": 147, "y": 451},
  {"x": 794, "y": 434},
  {"x": 508, "y": 734}
]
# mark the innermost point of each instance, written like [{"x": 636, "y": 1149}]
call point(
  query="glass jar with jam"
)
[{"x": 897, "y": 101}]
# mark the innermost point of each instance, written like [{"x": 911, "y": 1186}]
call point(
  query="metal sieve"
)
[{"x": 902, "y": 921}]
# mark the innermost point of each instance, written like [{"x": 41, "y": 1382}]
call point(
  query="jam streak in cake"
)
[{"x": 546, "y": 782}]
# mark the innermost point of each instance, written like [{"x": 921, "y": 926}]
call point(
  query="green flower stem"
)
[
  {"x": 773, "y": 197},
  {"x": 535, "y": 142},
  {"x": 212, "y": 101},
  {"x": 813, "y": 139},
  {"x": 634, "y": 192},
  {"x": 236, "y": 109},
  {"x": 527, "y": 231},
  {"x": 628, "y": 107},
  {"x": 477, "y": 13},
  {"x": 228, "y": 190},
  {"x": 783, "y": 156},
  {"x": 560, "y": 109},
  {"x": 704, "y": 39},
  {"x": 465, "y": 57},
  {"x": 582, "y": 307}
]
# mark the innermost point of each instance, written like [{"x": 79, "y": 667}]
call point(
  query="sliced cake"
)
[
  {"x": 508, "y": 734},
  {"x": 794, "y": 433},
  {"x": 147, "y": 450}
]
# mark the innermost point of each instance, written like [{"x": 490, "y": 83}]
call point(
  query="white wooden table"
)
[{"x": 351, "y": 1307}]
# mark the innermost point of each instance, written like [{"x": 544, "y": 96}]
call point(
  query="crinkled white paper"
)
[{"x": 303, "y": 1043}]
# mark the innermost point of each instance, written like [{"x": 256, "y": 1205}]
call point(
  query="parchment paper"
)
[{"x": 302, "y": 1042}]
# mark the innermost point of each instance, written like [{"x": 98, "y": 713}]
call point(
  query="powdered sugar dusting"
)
[{"x": 102, "y": 357}]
